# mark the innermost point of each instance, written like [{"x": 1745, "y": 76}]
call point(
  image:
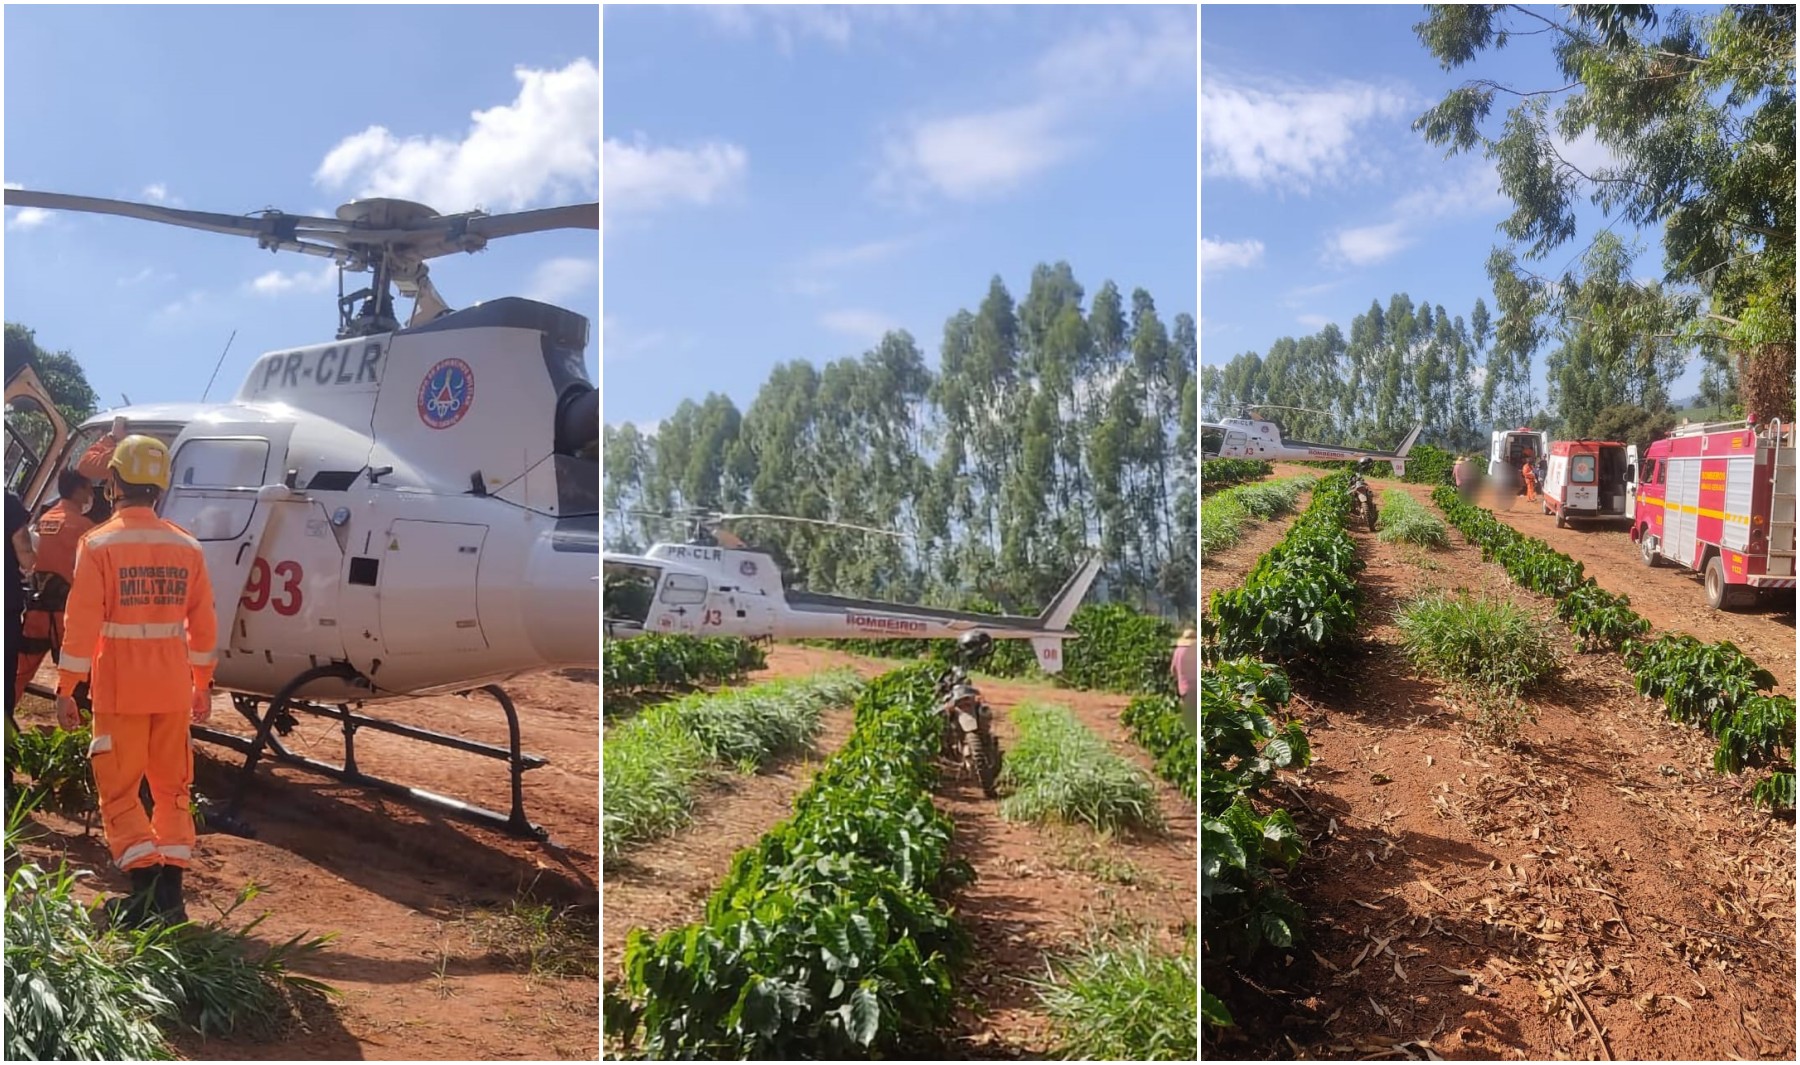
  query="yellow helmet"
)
[{"x": 141, "y": 460}]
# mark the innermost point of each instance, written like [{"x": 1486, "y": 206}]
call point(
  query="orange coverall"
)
[
  {"x": 141, "y": 622},
  {"x": 60, "y": 530},
  {"x": 1530, "y": 476}
]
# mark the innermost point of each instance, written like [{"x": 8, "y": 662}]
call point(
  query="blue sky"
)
[
  {"x": 787, "y": 183},
  {"x": 1317, "y": 197},
  {"x": 235, "y": 108}
]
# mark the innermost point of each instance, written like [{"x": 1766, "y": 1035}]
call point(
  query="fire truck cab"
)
[
  {"x": 1718, "y": 499},
  {"x": 1586, "y": 479}
]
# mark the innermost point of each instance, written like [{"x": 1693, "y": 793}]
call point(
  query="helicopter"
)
[
  {"x": 408, "y": 509},
  {"x": 1250, "y": 436},
  {"x": 714, "y": 584}
]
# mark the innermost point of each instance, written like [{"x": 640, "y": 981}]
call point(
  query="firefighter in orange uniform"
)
[
  {"x": 141, "y": 626},
  {"x": 59, "y": 533},
  {"x": 1528, "y": 474}
]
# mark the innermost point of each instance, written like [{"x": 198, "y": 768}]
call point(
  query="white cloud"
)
[
  {"x": 641, "y": 177},
  {"x": 973, "y": 156},
  {"x": 1472, "y": 191},
  {"x": 1367, "y": 245},
  {"x": 1071, "y": 90},
  {"x": 561, "y": 278},
  {"x": 787, "y": 23},
  {"x": 281, "y": 282},
  {"x": 1290, "y": 138},
  {"x": 1229, "y": 255},
  {"x": 868, "y": 326},
  {"x": 542, "y": 147},
  {"x": 1313, "y": 321},
  {"x": 187, "y": 304},
  {"x": 1121, "y": 58},
  {"x": 27, "y": 218},
  {"x": 858, "y": 254},
  {"x": 159, "y": 193}
]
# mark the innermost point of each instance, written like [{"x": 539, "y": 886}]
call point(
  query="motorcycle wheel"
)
[{"x": 976, "y": 758}]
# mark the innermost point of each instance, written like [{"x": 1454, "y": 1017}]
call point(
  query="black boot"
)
[
  {"x": 136, "y": 909},
  {"x": 171, "y": 908}
]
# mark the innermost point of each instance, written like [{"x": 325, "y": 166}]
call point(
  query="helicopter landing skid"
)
[{"x": 279, "y": 718}]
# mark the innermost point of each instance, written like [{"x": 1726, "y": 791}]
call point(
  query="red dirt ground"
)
[
  {"x": 1595, "y": 891},
  {"x": 1036, "y": 890},
  {"x": 397, "y": 883}
]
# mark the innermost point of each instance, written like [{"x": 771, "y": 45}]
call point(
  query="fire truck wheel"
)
[
  {"x": 1647, "y": 549},
  {"x": 1721, "y": 595}
]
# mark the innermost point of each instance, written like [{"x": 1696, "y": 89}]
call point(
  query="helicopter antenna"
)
[{"x": 216, "y": 365}]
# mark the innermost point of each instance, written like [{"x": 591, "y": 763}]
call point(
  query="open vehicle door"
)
[
  {"x": 35, "y": 435},
  {"x": 1631, "y": 480}
]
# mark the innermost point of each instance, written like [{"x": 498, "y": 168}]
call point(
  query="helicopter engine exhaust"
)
[{"x": 578, "y": 421}]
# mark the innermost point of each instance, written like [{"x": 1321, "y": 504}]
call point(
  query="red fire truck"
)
[{"x": 1718, "y": 499}]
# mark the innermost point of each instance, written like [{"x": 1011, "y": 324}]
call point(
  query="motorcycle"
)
[
  {"x": 968, "y": 732},
  {"x": 1362, "y": 497}
]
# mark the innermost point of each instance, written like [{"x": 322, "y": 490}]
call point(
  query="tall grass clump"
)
[
  {"x": 1060, "y": 772},
  {"x": 1124, "y": 998},
  {"x": 1222, "y": 521},
  {"x": 1405, "y": 520},
  {"x": 653, "y": 762},
  {"x": 1224, "y": 516},
  {"x": 1489, "y": 648},
  {"x": 76, "y": 990}
]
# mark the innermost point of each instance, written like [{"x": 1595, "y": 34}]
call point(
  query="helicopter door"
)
[
  {"x": 680, "y": 602},
  {"x": 1237, "y": 444},
  {"x": 213, "y": 494},
  {"x": 428, "y": 581}
]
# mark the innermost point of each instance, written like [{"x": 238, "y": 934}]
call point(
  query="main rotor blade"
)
[
  {"x": 271, "y": 230},
  {"x": 820, "y": 521},
  {"x": 572, "y": 216}
]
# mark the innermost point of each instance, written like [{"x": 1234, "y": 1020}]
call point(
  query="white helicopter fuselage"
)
[
  {"x": 703, "y": 590},
  {"x": 397, "y": 503},
  {"x": 1259, "y": 438}
]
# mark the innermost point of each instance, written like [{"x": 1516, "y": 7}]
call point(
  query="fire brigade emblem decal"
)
[{"x": 446, "y": 394}]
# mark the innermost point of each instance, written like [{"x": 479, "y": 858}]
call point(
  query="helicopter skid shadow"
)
[{"x": 404, "y": 852}]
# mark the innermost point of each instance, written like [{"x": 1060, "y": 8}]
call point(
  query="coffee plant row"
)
[
  {"x": 825, "y": 939},
  {"x": 1155, "y": 723},
  {"x": 1713, "y": 686},
  {"x": 1216, "y": 474},
  {"x": 667, "y": 663},
  {"x": 1299, "y": 601}
]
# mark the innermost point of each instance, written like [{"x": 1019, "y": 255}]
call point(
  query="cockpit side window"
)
[{"x": 1211, "y": 439}]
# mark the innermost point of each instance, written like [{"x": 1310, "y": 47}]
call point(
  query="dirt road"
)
[
  {"x": 425, "y": 970},
  {"x": 1596, "y": 891}
]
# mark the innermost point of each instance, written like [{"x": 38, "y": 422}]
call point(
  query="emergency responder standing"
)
[
  {"x": 140, "y": 622},
  {"x": 59, "y": 533},
  {"x": 1185, "y": 666},
  {"x": 1528, "y": 474}
]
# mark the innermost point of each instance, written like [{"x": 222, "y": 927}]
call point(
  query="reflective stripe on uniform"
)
[
  {"x": 114, "y": 630},
  {"x": 100, "y": 745},
  {"x": 137, "y": 852},
  {"x": 202, "y": 658},
  {"x": 183, "y": 853},
  {"x": 71, "y": 664},
  {"x": 140, "y": 536}
]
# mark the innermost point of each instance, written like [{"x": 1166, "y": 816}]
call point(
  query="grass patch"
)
[
  {"x": 76, "y": 990},
  {"x": 62, "y": 778},
  {"x": 1124, "y": 998},
  {"x": 652, "y": 762},
  {"x": 540, "y": 939},
  {"x": 1405, "y": 520},
  {"x": 1491, "y": 649},
  {"x": 1061, "y": 773},
  {"x": 1224, "y": 516}
]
